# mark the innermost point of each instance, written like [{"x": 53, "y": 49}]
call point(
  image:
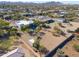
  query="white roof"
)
[
  {"x": 9, "y": 53},
  {"x": 31, "y": 40},
  {"x": 58, "y": 19},
  {"x": 24, "y": 22}
]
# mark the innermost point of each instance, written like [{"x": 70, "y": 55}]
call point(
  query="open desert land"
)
[
  {"x": 50, "y": 41},
  {"x": 69, "y": 49}
]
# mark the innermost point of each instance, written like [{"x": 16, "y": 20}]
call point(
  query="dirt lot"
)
[
  {"x": 69, "y": 50},
  {"x": 50, "y": 41}
]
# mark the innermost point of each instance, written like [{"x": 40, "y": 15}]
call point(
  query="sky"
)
[
  {"x": 41, "y": 1},
  {"x": 37, "y": 0}
]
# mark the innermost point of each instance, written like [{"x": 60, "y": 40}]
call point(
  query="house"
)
[
  {"x": 61, "y": 20},
  {"x": 23, "y": 22},
  {"x": 3, "y": 10},
  {"x": 27, "y": 14},
  {"x": 7, "y": 17},
  {"x": 44, "y": 19},
  {"x": 63, "y": 12}
]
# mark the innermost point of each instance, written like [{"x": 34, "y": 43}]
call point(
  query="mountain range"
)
[
  {"x": 52, "y": 3},
  {"x": 31, "y": 3}
]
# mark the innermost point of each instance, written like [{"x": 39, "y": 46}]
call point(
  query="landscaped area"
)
[{"x": 8, "y": 37}]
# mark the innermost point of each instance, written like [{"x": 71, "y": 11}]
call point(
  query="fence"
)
[{"x": 61, "y": 45}]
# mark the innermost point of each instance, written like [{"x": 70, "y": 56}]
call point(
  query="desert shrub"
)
[
  {"x": 70, "y": 31},
  {"x": 76, "y": 47},
  {"x": 60, "y": 53}
]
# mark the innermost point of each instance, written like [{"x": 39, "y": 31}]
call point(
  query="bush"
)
[
  {"x": 60, "y": 53},
  {"x": 70, "y": 31},
  {"x": 36, "y": 44},
  {"x": 38, "y": 47},
  {"x": 76, "y": 47},
  {"x": 43, "y": 50}
]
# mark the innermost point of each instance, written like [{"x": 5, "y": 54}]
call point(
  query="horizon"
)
[
  {"x": 43, "y": 1},
  {"x": 40, "y": 0}
]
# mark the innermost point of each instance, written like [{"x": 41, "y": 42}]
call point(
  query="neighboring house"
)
[
  {"x": 43, "y": 19},
  {"x": 23, "y": 22},
  {"x": 7, "y": 17},
  {"x": 61, "y": 20},
  {"x": 14, "y": 53},
  {"x": 27, "y": 14},
  {"x": 3, "y": 10}
]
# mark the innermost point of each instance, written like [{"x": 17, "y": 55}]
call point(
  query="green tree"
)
[
  {"x": 25, "y": 28},
  {"x": 42, "y": 49},
  {"x": 37, "y": 22},
  {"x": 36, "y": 44}
]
